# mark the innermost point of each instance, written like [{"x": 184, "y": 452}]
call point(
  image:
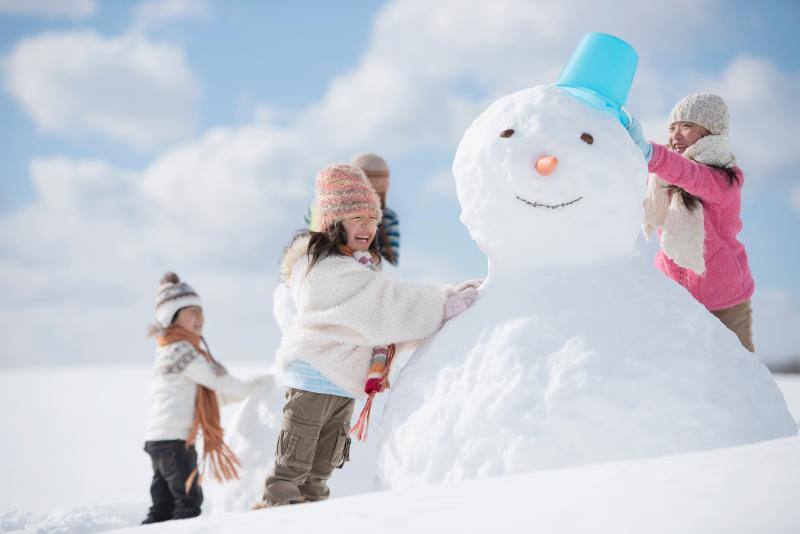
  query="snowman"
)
[{"x": 577, "y": 350}]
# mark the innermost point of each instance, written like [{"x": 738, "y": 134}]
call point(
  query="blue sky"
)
[
  {"x": 239, "y": 52},
  {"x": 141, "y": 136}
]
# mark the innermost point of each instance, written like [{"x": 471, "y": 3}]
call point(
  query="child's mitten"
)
[
  {"x": 637, "y": 134},
  {"x": 459, "y": 302}
]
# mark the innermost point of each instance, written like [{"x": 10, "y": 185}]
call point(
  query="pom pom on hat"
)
[
  {"x": 169, "y": 278},
  {"x": 172, "y": 296},
  {"x": 343, "y": 191},
  {"x": 704, "y": 109}
]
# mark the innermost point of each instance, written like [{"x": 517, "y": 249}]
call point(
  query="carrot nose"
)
[{"x": 546, "y": 164}]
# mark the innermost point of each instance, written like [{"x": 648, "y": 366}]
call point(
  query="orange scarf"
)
[{"x": 222, "y": 459}]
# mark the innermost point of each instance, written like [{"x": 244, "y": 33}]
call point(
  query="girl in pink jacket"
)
[{"x": 694, "y": 201}]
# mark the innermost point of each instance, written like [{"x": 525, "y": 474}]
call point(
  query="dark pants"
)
[
  {"x": 172, "y": 465},
  {"x": 313, "y": 442}
]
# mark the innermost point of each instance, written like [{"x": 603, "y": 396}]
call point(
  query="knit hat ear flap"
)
[
  {"x": 704, "y": 109},
  {"x": 343, "y": 191},
  {"x": 172, "y": 296}
]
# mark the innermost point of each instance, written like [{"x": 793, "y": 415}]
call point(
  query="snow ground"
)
[{"x": 76, "y": 466}]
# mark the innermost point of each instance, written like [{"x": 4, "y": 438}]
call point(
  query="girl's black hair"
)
[
  {"x": 329, "y": 242},
  {"x": 691, "y": 201}
]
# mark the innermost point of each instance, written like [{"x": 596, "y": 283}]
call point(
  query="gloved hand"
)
[
  {"x": 474, "y": 283},
  {"x": 459, "y": 302},
  {"x": 637, "y": 134},
  {"x": 374, "y": 385}
]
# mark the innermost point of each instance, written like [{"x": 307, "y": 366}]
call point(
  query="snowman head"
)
[{"x": 545, "y": 180}]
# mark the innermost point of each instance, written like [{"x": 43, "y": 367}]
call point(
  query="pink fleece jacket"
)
[{"x": 727, "y": 280}]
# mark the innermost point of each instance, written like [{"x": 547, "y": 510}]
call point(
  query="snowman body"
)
[{"x": 577, "y": 350}]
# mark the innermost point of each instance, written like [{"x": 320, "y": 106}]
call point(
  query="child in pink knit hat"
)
[
  {"x": 387, "y": 239},
  {"x": 694, "y": 201},
  {"x": 349, "y": 313}
]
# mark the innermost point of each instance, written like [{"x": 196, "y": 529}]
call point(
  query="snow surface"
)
[
  {"x": 749, "y": 490},
  {"x": 577, "y": 350},
  {"x": 49, "y": 484}
]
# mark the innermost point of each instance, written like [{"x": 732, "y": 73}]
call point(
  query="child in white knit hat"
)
[
  {"x": 694, "y": 201},
  {"x": 185, "y": 383},
  {"x": 349, "y": 313}
]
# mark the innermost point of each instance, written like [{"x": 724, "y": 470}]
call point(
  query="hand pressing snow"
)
[{"x": 459, "y": 302}]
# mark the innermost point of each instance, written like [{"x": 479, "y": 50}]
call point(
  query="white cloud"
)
[
  {"x": 74, "y": 9},
  {"x": 82, "y": 263},
  {"x": 764, "y": 115},
  {"x": 218, "y": 208},
  {"x": 129, "y": 88},
  {"x": 154, "y": 13},
  {"x": 231, "y": 195},
  {"x": 796, "y": 198},
  {"x": 430, "y": 69}
]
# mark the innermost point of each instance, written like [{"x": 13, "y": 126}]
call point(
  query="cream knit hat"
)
[
  {"x": 704, "y": 109},
  {"x": 343, "y": 191},
  {"x": 172, "y": 296}
]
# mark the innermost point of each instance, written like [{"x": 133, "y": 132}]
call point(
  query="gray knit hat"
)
[
  {"x": 704, "y": 109},
  {"x": 172, "y": 296},
  {"x": 376, "y": 169}
]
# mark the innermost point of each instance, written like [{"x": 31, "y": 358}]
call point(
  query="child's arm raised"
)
[{"x": 707, "y": 183}]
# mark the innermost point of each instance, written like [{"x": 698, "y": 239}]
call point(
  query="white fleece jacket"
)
[
  {"x": 344, "y": 309},
  {"x": 179, "y": 368}
]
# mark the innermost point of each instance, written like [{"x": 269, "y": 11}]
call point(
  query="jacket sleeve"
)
[
  {"x": 215, "y": 377},
  {"x": 377, "y": 307},
  {"x": 392, "y": 232},
  {"x": 709, "y": 184}
]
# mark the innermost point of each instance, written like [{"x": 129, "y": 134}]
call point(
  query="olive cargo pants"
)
[{"x": 312, "y": 442}]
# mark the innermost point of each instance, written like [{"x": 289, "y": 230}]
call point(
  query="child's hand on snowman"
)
[
  {"x": 459, "y": 302},
  {"x": 637, "y": 134}
]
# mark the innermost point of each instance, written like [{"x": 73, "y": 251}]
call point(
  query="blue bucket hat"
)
[{"x": 600, "y": 73}]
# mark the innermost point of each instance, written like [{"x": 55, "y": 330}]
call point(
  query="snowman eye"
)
[
  {"x": 507, "y": 133},
  {"x": 587, "y": 138}
]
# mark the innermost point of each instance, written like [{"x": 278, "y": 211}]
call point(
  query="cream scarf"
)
[{"x": 683, "y": 230}]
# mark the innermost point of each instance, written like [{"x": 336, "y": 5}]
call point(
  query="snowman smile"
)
[{"x": 548, "y": 206}]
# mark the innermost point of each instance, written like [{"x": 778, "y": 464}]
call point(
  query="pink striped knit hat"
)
[{"x": 344, "y": 191}]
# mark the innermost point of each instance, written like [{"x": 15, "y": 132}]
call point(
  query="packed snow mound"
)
[
  {"x": 577, "y": 350},
  {"x": 739, "y": 490},
  {"x": 574, "y": 367}
]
